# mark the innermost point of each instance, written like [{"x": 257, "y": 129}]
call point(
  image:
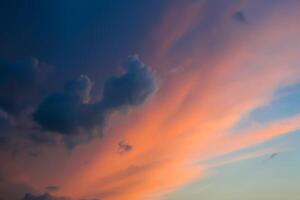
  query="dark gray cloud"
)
[
  {"x": 124, "y": 147},
  {"x": 80, "y": 87},
  {"x": 22, "y": 85},
  {"x": 64, "y": 112},
  {"x": 240, "y": 16},
  {"x": 29, "y": 114},
  {"x": 45, "y": 196},
  {"x": 132, "y": 88},
  {"x": 69, "y": 112},
  {"x": 273, "y": 155},
  {"x": 90, "y": 199},
  {"x": 52, "y": 188}
]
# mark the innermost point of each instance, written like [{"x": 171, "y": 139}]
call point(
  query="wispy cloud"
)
[{"x": 229, "y": 70}]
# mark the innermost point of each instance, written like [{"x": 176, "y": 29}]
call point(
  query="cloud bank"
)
[
  {"x": 69, "y": 112},
  {"x": 28, "y": 112}
]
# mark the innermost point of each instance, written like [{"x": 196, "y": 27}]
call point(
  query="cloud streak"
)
[
  {"x": 45, "y": 196},
  {"x": 191, "y": 116},
  {"x": 229, "y": 70}
]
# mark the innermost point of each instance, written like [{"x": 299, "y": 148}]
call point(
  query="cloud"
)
[
  {"x": 4, "y": 121},
  {"x": 80, "y": 87},
  {"x": 194, "y": 112},
  {"x": 240, "y": 16},
  {"x": 273, "y": 155},
  {"x": 5, "y": 124},
  {"x": 52, "y": 188},
  {"x": 11, "y": 190},
  {"x": 130, "y": 89},
  {"x": 45, "y": 196},
  {"x": 91, "y": 199},
  {"x": 124, "y": 147},
  {"x": 65, "y": 111},
  {"x": 69, "y": 111},
  {"x": 188, "y": 120},
  {"x": 22, "y": 84},
  {"x": 17, "y": 82}
]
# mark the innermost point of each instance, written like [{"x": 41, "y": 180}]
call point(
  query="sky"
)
[{"x": 149, "y": 100}]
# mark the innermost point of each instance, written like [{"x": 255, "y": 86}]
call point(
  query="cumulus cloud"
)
[
  {"x": 65, "y": 111},
  {"x": 22, "y": 85},
  {"x": 80, "y": 87},
  {"x": 69, "y": 112},
  {"x": 132, "y": 88}
]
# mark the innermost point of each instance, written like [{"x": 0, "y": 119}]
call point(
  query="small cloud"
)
[
  {"x": 240, "y": 16},
  {"x": 52, "y": 188},
  {"x": 177, "y": 69},
  {"x": 46, "y": 196},
  {"x": 90, "y": 199},
  {"x": 124, "y": 147},
  {"x": 273, "y": 155},
  {"x": 33, "y": 154}
]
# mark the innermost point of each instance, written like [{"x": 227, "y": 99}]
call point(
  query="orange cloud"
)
[{"x": 189, "y": 118}]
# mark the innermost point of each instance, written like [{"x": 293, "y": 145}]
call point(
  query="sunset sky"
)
[{"x": 150, "y": 100}]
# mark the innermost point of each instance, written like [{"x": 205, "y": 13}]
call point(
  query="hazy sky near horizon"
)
[{"x": 150, "y": 100}]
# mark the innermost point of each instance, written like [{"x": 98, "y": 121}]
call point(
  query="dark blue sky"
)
[{"x": 88, "y": 37}]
